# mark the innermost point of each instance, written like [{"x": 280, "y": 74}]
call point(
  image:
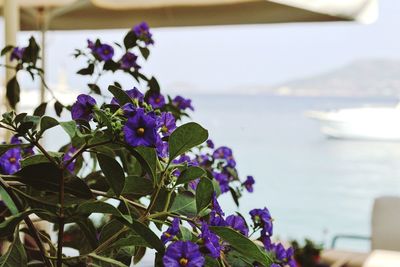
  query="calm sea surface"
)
[{"x": 314, "y": 187}]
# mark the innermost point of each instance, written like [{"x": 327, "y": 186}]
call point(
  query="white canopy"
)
[{"x": 109, "y": 14}]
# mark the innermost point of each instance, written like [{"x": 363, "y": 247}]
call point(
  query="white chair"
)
[{"x": 385, "y": 234}]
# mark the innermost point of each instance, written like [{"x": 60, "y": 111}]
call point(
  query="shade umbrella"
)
[{"x": 46, "y": 15}]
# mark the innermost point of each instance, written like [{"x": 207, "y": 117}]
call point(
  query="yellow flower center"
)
[
  {"x": 12, "y": 160},
  {"x": 164, "y": 129},
  {"x": 140, "y": 131},
  {"x": 167, "y": 234},
  {"x": 183, "y": 261},
  {"x": 158, "y": 100}
]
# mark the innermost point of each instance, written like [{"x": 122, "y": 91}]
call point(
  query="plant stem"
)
[
  {"x": 111, "y": 239},
  {"x": 28, "y": 223},
  {"x": 155, "y": 194},
  {"x": 82, "y": 149},
  {"x": 61, "y": 221}
]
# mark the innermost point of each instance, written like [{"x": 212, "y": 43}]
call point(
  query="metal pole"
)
[
  {"x": 11, "y": 28},
  {"x": 43, "y": 22}
]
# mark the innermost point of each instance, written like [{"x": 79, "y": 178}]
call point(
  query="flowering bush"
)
[{"x": 153, "y": 180}]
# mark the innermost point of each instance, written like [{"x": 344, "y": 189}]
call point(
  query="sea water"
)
[{"x": 315, "y": 187}]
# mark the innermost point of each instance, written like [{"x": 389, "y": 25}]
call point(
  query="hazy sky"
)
[{"x": 218, "y": 58}]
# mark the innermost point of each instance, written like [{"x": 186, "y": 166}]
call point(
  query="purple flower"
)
[
  {"x": 156, "y": 101},
  {"x": 82, "y": 108},
  {"x": 183, "y": 253},
  {"x": 166, "y": 122},
  {"x": 130, "y": 110},
  {"x": 17, "y": 53},
  {"x": 10, "y": 161},
  {"x": 210, "y": 241},
  {"x": 162, "y": 148},
  {"x": 67, "y": 156},
  {"x": 204, "y": 160},
  {"x": 182, "y": 159},
  {"x": 223, "y": 180},
  {"x": 104, "y": 52},
  {"x": 133, "y": 93},
  {"x": 128, "y": 61},
  {"x": 27, "y": 151},
  {"x": 262, "y": 218},
  {"x": 210, "y": 143},
  {"x": 15, "y": 140},
  {"x": 140, "y": 130},
  {"x": 237, "y": 223},
  {"x": 248, "y": 184},
  {"x": 216, "y": 214},
  {"x": 225, "y": 153},
  {"x": 283, "y": 255},
  {"x": 171, "y": 232},
  {"x": 193, "y": 184},
  {"x": 215, "y": 205},
  {"x": 142, "y": 31},
  {"x": 91, "y": 45},
  {"x": 182, "y": 103}
]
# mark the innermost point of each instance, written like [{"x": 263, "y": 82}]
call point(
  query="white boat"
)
[{"x": 367, "y": 123}]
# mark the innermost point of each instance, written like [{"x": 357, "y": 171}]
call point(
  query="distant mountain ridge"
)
[{"x": 369, "y": 77}]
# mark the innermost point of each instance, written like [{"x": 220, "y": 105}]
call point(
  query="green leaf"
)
[
  {"x": 145, "y": 52},
  {"x": 6, "y": 49},
  {"x": 234, "y": 195},
  {"x": 69, "y": 127},
  {"x": 34, "y": 159},
  {"x": 111, "y": 65},
  {"x": 190, "y": 174},
  {"x": 46, "y": 176},
  {"x": 94, "y": 88},
  {"x": 130, "y": 40},
  {"x": 87, "y": 71},
  {"x": 15, "y": 255},
  {"x": 148, "y": 235},
  {"x": 186, "y": 137},
  {"x": 204, "y": 192},
  {"x": 147, "y": 158},
  {"x": 46, "y": 123},
  {"x": 58, "y": 107},
  {"x": 8, "y": 201},
  {"x": 109, "y": 230},
  {"x": 186, "y": 233},
  {"x": 131, "y": 240},
  {"x": 13, "y": 92},
  {"x": 103, "y": 118},
  {"x": 40, "y": 110},
  {"x": 242, "y": 244},
  {"x": 184, "y": 204},
  {"x": 137, "y": 185},
  {"x": 101, "y": 207},
  {"x": 90, "y": 232},
  {"x": 20, "y": 117},
  {"x": 31, "y": 53},
  {"x": 107, "y": 260},
  {"x": 120, "y": 95},
  {"x": 113, "y": 172},
  {"x": 154, "y": 87},
  {"x": 8, "y": 226}
]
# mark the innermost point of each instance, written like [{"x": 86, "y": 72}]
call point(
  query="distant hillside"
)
[{"x": 376, "y": 77}]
